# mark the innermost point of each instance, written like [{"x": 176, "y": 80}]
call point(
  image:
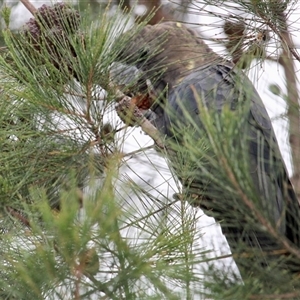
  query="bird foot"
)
[{"x": 128, "y": 112}]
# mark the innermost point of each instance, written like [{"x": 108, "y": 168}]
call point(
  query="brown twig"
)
[
  {"x": 244, "y": 255},
  {"x": 286, "y": 60},
  {"x": 78, "y": 275},
  {"x": 285, "y": 40},
  {"x": 293, "y": 108},
  {"x": 17, "y": 215},
  {"x": 29, "y": 6}
]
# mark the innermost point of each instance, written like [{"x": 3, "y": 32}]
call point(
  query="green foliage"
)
[
  {"x": 38, "y": 96},
  {"x": 55, "y": 255},
  {"x": 64, "y": 224},
  {"x": 6, "y": 15}
]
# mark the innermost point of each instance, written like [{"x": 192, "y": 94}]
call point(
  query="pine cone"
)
[
  {"x": 235, "y": 33},
  {"x": 242, "y": 47},
  {"x": 50, "y": 31},
  {"x": 59, "y": 16}
]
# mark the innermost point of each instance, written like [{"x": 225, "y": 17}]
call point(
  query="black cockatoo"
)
[{"x": 183, "y": 81}]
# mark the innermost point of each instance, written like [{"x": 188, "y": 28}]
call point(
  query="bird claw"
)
[{"x": 128, "y": 112}]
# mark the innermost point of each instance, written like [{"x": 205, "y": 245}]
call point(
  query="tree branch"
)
[
  {"x": 29, "y": 6},
  {"x": 286, "y": 60}
]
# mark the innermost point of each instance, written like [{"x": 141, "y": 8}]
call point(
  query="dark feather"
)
[
  {"x": 189, "y": 70},
  {"x": 218, "y": 85}
]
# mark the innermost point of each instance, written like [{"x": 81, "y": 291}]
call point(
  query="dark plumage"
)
[{"x": 188, "y": 78}]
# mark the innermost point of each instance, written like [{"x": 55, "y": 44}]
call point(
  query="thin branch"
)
[
  {"x": 29, "y": 6},
  {"x": 285, "y": 40},
  {"x": 17, "y": 215},
  {"x": 242, "y": 255},
  {"x": 138, "y": 151},
  {"x": 287, "y": 63}
]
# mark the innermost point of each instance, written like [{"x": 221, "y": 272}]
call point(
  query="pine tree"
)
[{"x": 77, "y": 221}]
